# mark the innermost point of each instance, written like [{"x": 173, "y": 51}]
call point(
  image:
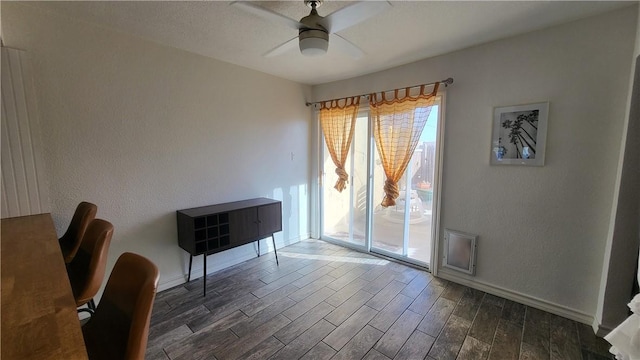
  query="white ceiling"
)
[{"x": 409, "y": 31}]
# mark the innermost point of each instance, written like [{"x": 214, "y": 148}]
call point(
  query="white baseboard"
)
[
  {"x": 196, "y": 271},
  {"x": 521, "y": 298},
  {"x": 213, "y": 266},
  {"x": 171, "y": 283}
]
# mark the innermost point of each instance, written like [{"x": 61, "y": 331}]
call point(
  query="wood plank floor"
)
[{"x": 329, "y": 302}]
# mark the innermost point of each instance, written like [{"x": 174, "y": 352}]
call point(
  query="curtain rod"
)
[{"x": 446, "y": 83}]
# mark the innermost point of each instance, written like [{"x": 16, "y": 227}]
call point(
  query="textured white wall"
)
[
  {"x": 542, "y": 229},
  {"x": 143, "y": 130}
]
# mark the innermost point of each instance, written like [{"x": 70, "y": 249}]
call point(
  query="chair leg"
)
[
  {"x": 91, "y": 308},
  {"x": 91, "y": 312}
]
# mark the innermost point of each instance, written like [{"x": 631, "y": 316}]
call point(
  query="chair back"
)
[
  {"x": 119, "y": 329},
  {"x": 70, "y": 241},
  {"x": 86, "y": 270}
]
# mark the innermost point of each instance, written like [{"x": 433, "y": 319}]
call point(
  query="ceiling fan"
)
[{"x": 315, "y": 31}]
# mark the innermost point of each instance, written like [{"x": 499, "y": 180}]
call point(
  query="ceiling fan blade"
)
[
  {"x": 345, "y": 46},
  {"x": 282, "y": 48},
  {"x": 267, "y": 14},
  {"x": 353, "y": 14}
]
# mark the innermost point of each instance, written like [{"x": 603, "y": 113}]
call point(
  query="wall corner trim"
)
[
  {"x": 196, "y": 271},
  {"x": 521, "y": 298},
  {"x": 600, "y": 329}
]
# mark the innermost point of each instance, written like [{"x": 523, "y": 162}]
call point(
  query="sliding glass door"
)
[
  {"x": 406, "y": 229},
  {"x": 355, "y": 216}
]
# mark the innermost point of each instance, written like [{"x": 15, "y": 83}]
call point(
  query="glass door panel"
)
[
  {"x": 405, "y": 230},
  {"x": 423, "y": 169},
  {"x": 387, "y": 223},
  {"x": 336, "y": 209},
  {"x": 360, "y": 151},
  {"x": 344, "y": 213}
]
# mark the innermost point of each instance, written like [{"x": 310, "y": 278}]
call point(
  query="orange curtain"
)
[
  {"x": 398, "y": 123},
  {"x": 338, "y": 122}
]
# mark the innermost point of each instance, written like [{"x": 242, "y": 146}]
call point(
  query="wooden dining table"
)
[{"x": 39, "y": 317}]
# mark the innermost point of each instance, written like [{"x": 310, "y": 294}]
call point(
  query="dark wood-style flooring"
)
[{"x": 329, "y": 302}]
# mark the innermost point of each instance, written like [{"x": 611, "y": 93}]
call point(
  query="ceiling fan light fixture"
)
[{"x": 313, "y": 42}]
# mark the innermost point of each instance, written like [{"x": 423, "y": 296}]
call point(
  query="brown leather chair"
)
[
  {"x": 119, "y": 328},
  {"x": 86, "y": 270},
  {"x": 70, "y": 241}
]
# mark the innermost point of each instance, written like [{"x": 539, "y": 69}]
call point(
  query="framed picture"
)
[
  {"x": 519, "y": 134},
  {"x": 460, "y": 251}
]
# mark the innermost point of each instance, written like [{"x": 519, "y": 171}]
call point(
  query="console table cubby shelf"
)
[{"x": 211, "y": 229}]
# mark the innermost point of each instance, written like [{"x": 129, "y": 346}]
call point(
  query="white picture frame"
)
[
  {"x": 519, "y": 135},
  {"x": 460, "y": 251}
]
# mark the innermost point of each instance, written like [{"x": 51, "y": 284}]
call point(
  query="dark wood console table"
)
[{"x": 211, "y": 229}]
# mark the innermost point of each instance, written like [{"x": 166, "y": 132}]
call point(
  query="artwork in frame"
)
[
  {"x": 519, "y": 134},
  {"x": 460, "y": 251}
]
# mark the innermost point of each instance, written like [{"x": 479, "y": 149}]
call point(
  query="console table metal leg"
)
[
  {"x": 258, "y": 248},
  {"x": 274, "y": 249},
  {"x": 190, "y": 262},
  {"x": 204, "y": 275}
]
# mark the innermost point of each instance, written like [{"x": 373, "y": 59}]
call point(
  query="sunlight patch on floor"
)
[{"x": 348, "y": 259}]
